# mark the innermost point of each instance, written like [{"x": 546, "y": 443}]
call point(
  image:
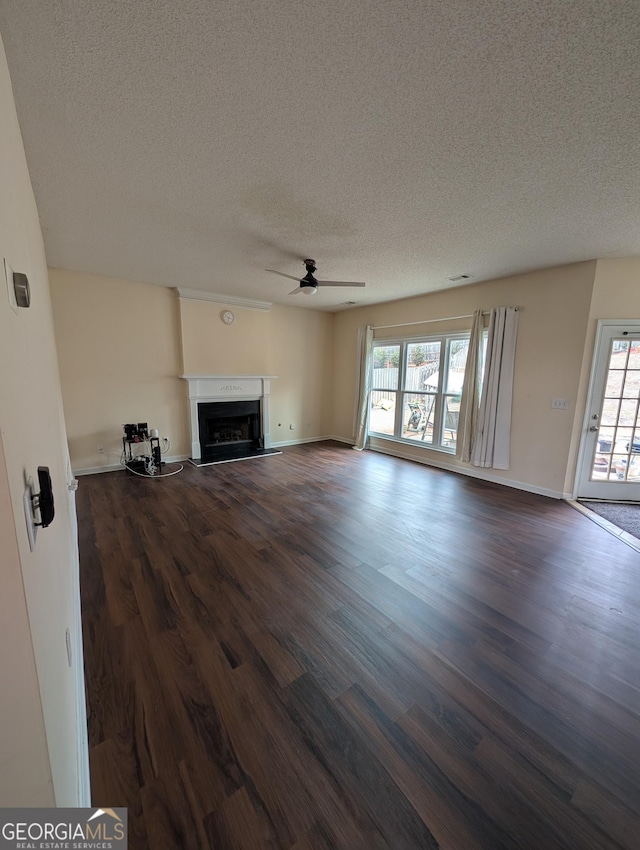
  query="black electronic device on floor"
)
[{"x": 147, "y": 462}]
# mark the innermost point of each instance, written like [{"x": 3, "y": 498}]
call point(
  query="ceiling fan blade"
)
[
  {"x": 282, "y": 274},
  {"x": 340, "y": 283},
  {"x": 295, "y": 291}
]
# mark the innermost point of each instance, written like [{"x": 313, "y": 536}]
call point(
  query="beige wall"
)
[
  {"x": 554, "y": 313},
  {"x": 120, "y": 357},
  {"x": 291, "y": 343},
  {"x": 301, "y": 357},
  {"x": 212, "y": 348},
  {"x": 122, "y": 347},
  {"x": 37, "y": 588},
  {"x": 616, "y": 291},
  {"x": 616, "y": 295}
]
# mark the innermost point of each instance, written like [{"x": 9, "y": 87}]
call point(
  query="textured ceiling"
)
[{"x": 400, "y": 142}]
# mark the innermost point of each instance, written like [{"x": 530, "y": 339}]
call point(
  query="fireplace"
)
[
  {"x": 229, "y": 417},
  {"x": 229, "y": 429}
]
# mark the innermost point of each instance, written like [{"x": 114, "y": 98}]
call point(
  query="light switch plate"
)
[{"x": 560, "y": 403}]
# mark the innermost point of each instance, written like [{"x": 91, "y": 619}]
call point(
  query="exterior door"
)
[{"x": 609, "y": 466}]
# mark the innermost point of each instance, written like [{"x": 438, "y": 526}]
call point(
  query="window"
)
[{"x": 416, "y": 390}]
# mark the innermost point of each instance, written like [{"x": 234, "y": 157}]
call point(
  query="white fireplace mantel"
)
[{"x": 205, "y": 388}]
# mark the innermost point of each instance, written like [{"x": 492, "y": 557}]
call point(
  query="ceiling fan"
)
[{"x": 309, "y": 285}]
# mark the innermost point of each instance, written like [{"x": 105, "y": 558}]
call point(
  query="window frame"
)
[{"x": 401, "y": 391}]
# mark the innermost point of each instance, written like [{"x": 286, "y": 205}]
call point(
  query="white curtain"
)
[
  {"x": 491, "y": 441},
  {"x": 365, "y": 343},
  {"x": 470, "y": 402}
]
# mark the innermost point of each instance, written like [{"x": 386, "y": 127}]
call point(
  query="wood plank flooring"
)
[{"x": 332, "y": 649}]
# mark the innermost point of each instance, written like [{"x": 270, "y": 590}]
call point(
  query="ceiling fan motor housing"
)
[{"x": 308, "y": 284}]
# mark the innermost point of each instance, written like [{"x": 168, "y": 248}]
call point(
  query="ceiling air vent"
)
[{"x": 459, "y": 277}]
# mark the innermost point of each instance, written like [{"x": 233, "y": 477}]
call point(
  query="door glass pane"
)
[
  {"x": 628, "y": 412},
  {"x": 610, "y": 410},
  {"x": 383, "y": 412},
  {"x": 616, "y": 457},
  {"x": 634, "y": 354},
  {"x": 417, "y": 417},
  {"x": 623, "y": 438},
  {"x": 619, "y": 352},
  {"x": 618, "y": 469},
  {"x": 605, "y": 439},
  {"x": 602, "y": 460},
  {"x": 614, "y": 384},
  {"x": 632, "y": 384}
]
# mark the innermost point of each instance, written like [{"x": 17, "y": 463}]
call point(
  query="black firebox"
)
[{"x": 229, "y": 429}]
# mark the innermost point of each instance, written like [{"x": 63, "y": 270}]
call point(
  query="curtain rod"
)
[{"x": 429, "y": 321}]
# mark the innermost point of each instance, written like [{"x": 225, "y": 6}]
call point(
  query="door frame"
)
[
  {"x": 82, "y": 731},
  {"x": 603, "y": 326}
]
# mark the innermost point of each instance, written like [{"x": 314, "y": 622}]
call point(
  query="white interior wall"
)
[{"x": 39, "y": 732}]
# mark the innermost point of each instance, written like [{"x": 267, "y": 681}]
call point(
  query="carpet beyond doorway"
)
[{"x": 623, "y": 515}]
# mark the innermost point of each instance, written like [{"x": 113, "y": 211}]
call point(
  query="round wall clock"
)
[{"x": 227, "y": 317}]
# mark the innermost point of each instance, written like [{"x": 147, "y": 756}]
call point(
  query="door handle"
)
[{"x": 593, "y": 427}]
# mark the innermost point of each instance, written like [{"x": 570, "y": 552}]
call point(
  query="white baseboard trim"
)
[
  {"x": 483, "y": 475},
  {"x": 282, "y": 443},
  {"x": 114, "y": 467},
  {"x": 342, "y": 440}
]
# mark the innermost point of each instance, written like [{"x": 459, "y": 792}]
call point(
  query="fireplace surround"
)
[{"x": 229, "y": 417}]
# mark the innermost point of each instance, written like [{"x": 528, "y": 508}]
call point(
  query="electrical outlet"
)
[
  {"x": 560, "y": 403},
  {"x": 100, "y": 450}
]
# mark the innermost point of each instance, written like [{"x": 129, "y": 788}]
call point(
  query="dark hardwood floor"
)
[{"x": 332, "y": 649}]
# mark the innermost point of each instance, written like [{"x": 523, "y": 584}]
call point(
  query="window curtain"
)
[
  {"x": 470, "y": 402},
  {"x": 492, "y": 437},
  {"x": 364, "y": 386}
]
